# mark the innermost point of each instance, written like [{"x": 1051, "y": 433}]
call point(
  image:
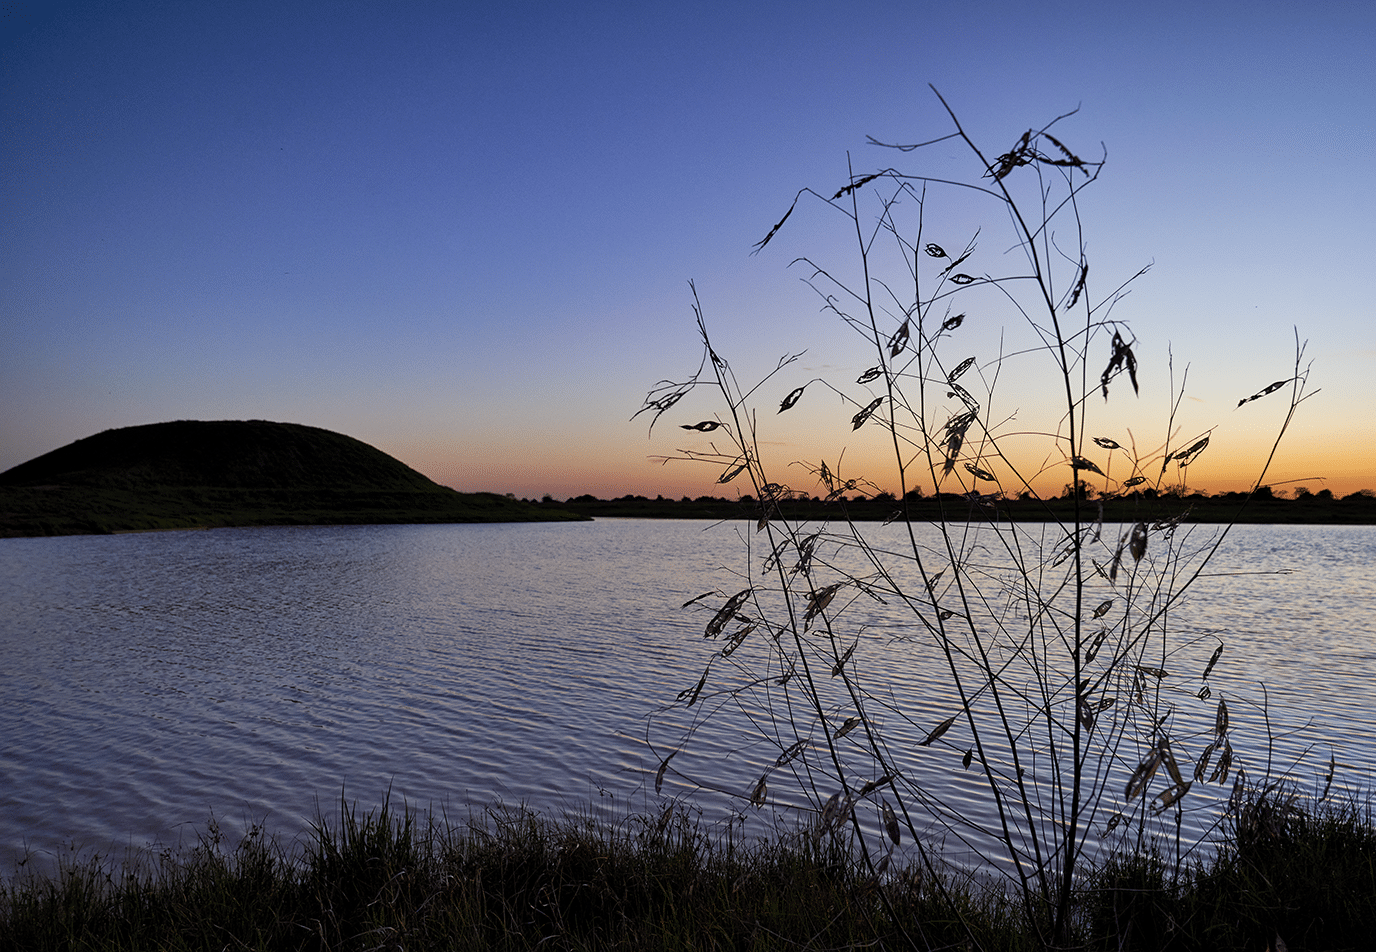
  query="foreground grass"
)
[
  {"x": 1288, "y": 875},
  {"x": 394, "y": 879}
]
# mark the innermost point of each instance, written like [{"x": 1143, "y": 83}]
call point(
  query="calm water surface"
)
[{"x": 152, "y": 681}]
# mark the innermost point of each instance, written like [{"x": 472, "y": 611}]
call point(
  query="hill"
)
[{"x": 190, "y": 473}]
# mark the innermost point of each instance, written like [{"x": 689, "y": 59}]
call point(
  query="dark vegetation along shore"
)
[
  {"x": 195, "y": 474},
  {"x": 1263, "y": 506},
  {"x": 1290, "y": 873}
]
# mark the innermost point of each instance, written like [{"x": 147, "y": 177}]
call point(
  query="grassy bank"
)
[{"x": 394, "y": 879}]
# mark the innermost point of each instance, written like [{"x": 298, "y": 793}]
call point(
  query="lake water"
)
[{"x": 152, "y": 681}]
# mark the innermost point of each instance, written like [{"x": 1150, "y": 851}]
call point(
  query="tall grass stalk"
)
[{"x": 1054, "y": 653}]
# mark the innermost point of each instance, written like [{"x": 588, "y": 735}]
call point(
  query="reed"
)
[{"x": 1067, "y": 678}]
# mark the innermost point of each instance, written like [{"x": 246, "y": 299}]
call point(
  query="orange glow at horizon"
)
[{"x": 562, "y": 473}]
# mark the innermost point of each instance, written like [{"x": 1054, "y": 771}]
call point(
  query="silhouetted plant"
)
[{"x": 1048, "y": 649}]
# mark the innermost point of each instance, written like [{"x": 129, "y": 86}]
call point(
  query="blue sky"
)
[{"x": 463, "y": 233}]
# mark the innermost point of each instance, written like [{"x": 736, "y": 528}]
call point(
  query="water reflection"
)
[{"x": 151, "y": 680}]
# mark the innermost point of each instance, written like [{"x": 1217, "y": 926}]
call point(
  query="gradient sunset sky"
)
[{"x": 463, "y": 232}]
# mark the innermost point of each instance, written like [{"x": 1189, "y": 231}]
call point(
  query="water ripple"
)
[{"x": 154, "y": 680}]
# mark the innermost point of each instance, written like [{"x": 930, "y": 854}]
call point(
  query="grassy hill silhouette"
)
[{"x": 191, "y": 473}]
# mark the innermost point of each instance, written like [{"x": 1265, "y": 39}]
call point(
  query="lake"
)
[{"x": 153, "y": 681}]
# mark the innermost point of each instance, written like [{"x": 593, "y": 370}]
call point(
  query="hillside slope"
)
[{"x": 221, "y": 473}]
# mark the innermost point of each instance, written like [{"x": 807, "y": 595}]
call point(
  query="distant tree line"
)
[{"x": 1264, "y": 505}]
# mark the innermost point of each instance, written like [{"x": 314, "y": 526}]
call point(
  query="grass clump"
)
[
  {"x": 394, "y": 879},
  {"x": 204, "y": 898},
  {"x": 510, "y": 879},
  {"x": 1288, "y": 873}
]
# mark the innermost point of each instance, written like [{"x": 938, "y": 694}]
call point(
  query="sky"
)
[{"x": 464, "y": 233}]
